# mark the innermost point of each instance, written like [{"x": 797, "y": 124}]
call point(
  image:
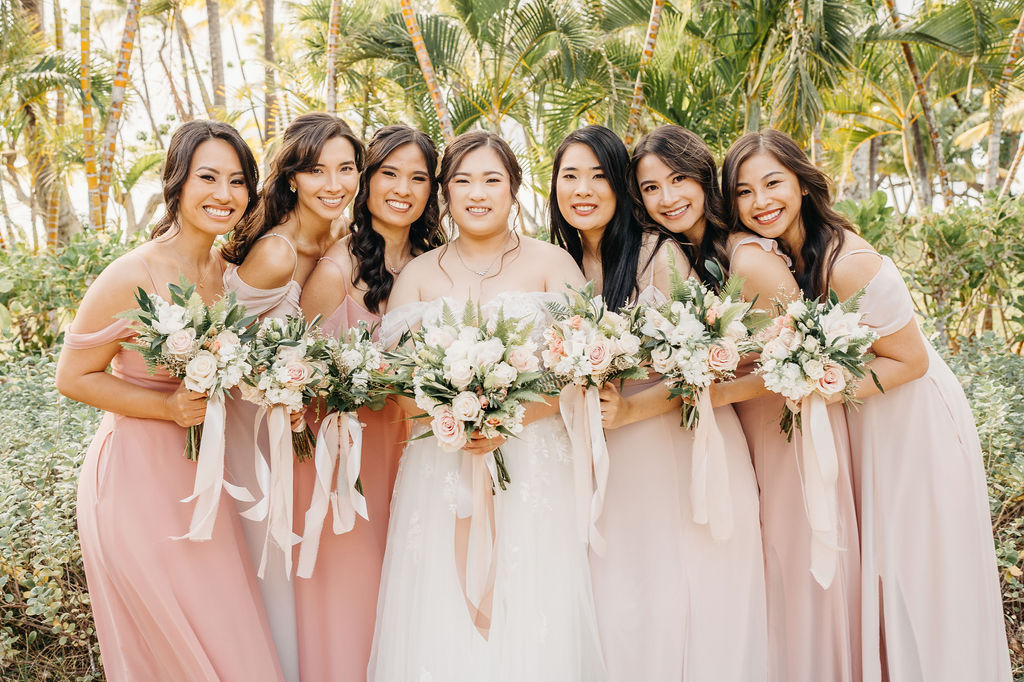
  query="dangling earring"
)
[{"x": 292, "y": 188}]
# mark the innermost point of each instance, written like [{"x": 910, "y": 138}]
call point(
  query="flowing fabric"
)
[
  {"x": 709, "y": 475},
  {"x": 932, "y": 608},
  {"x": 165, "y": 609},
  {"x": 542, "y": 625},
  {"x": 581, "y": 412}
]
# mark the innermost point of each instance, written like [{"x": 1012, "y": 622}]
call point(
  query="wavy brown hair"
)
[
  {"x": 685, "y": 153},
  {"x": 424, "y": 234},
  {"x": 182, "y": 148},
  {"x": 824, "y": 228},
  {"x": 301, "y": 145}
]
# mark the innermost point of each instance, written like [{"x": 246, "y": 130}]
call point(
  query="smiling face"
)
[
  {"x": 673, "y": 200},
  {"x": 324, "y": 191},
  {"x": 480, "y": 194},
  {"x": 585, "y": 197},
  {"x": 214, "y": 196},
  {"x": 399, "y": 188},
  {"x": 769, "y": 198}
]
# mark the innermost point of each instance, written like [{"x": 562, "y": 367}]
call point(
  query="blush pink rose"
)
[
  {"x": 179, "y": 343},
  {"x": 449, "y": 431},
  {"x": 832, "y": 381},
  {"x": 575, "y": 321},
  {"x": 599, "y": 355},
  {"x": 296, "y": 373},
  {"x": 723, "y": 356},
  {"x": 522, "y": 359}
]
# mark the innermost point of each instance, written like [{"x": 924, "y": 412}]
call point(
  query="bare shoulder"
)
[
  {"x": 554, "y": 263},
  {"x": 853, "y": 271},
  {"x": 269, "y": 263},
  {"x": 669, "y": 255},
  {"x": 113, "y": 292},
  {"x": 544, "y": 252},
  {"x": 338, "y": 260}
]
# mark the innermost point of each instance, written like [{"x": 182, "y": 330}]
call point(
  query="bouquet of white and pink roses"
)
[
  {"x": 471, "y": 374},
  {"x": 697, "y": 337},
  {"x": 206, "y": 346},
  {"x": 815, "y": 348},
  {"x": 589, "y": 345}
]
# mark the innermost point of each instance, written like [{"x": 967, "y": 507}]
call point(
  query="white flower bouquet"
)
[
  {"x": 471, "y": 374},
  {"x": 356, "y": 371},
  {"x": 589, "y": 345},
  {"x": 697, "y": 337},
  {"x": 815, "y": 348},
  {"x": 289, "y": 368},
  {"x": 206, "y": 346}
]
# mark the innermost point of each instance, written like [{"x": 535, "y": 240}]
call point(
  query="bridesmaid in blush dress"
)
[
  {"x": 395, "y": 219},
  {"x": 676, "y": 599},
  {"x": 313, "y": 177},
  {"x": 931, "y": 607},
  {"x": 165, "y": 609}
]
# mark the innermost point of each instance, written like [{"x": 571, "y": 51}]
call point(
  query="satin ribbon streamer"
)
[
  {"x": 581, "y": 412},
  {"x": 339, "y": 443},
  {"x": 210, "y": 474},
  {"x": 710, "y": 495},
  {"x": 820, "y": 471},
  {"x": 477, "y": 507}
]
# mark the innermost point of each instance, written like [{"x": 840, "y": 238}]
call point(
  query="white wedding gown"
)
[{"x": 543, "y": 622}]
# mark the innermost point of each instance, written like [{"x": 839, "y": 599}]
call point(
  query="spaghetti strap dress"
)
[
  {"x": 673, "y": 603},
  {"x": 932, "y": 609},
  {"x": 813, "y": 632},
  {"x": 165, "y": 609},
  {"x": 337, "y": 604}
]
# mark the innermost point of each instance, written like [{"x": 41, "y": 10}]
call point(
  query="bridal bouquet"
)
[
  {"x": 289, "y": 367},
  {"x": 206, "y": 346},
  {"x": 815, "y": 349},
  {"x": 471, "y": 373},
  {"x": 589, "y": 345},
  {"x": 697, "y": 337},
  {"x": 355, "y": 368}
]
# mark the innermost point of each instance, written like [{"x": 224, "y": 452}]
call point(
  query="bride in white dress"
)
[{"x": 542, "y": 626}]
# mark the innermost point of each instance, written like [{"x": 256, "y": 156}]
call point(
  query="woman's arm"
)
[{"x": 327, "y": 285}]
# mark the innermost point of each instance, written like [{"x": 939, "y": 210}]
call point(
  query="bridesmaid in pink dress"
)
[
  {"x": 313, "y": 177},
  {"x": 931, "y": 607},
  {"x": 676, "y": 600},
  {"x": 164, "y": 609},
  {"x": 395, "y": 219}
]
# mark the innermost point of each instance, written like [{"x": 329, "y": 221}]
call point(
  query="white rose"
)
[
  {"x": 227, "y": 343},
  {"x": 661, "y": 358},
  {"x": 249, "y": 392},
  {"x": 524, "y": 358},
  {"x": 170, "y": 318},
  {"x": 501, "y": 376},
  {"x": 179, "y": 343},
  {"x": 460, "y": 373},
  {"x": 838, "y": 325},
  {"x": 440, "y": 336},
  {"x": 814, "y": 368},
  {"x": 486, "y": 352},
  {"x": 810, "y": 344},
  {"x": 350, "y": 359},
  {"x": 736, "y": 330},
  {"x": 466, "y": 407},
  {"x": 796, "y": 308},
  {"x": 233, "y": 373},
  {"x": 628, "y": 344},
  {"x": 201, "y": 372}
]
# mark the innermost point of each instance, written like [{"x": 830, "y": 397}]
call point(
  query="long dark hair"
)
[
  {"x": 300, "y": 149},
  {"x": 184, "y": 142},
  {"x": 685, "y": 153},
  {"x": 824, "y": 228},
  {"x": 622, "y": 237},
  {"x": 367, "y": 245}
]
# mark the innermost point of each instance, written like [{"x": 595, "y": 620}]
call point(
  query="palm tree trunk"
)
[
  {"x": 651, "y": 39},
  {"x": 58, "y": 43},
  {"x": 184, "y": 74},
  {"x": 187, "y": 36},
  {"x": 1012, "y": 171},
  {"x": 269, "y": 88},
  {"x": 817, "y": 145},
  {"x": 179, "y": 105},
  {"x": 925, "y": 182},
  {"x": 908, "y": 163},
  {"x": 92, "y": 177},
  {"x": 245, "y": 80},
  {"x": 124, "y": 58},
  {"x": 216, "y": 54},
  {"x": 52, "y": 215},
  {"x": 926, "y": 109},
  {"x": 147, "y": 100},
  {"x": 997, "y": 103},
  {"x": 332, "y": 57},
  {"x": 423, "y": 57}
]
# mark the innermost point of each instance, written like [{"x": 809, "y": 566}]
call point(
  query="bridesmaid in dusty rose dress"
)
[
  {"x": 931, "y": 602},
  {"x": 313, "y": 177},
  {"x": 676, "y": 600},
  {"x": 165, "y": 609},
  {"x": 395, "y": 218}
]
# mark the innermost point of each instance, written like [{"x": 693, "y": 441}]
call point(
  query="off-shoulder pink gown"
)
[
  {"x": 164, "y": 609},
  {"x": 672, "y": 602},
  {"x": 813, "y": 633},
  {"x": 337, "y": 605},
  {"x": 932, "y": 605}
]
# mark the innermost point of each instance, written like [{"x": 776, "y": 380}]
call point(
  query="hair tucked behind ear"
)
[
  {"x": 301, "y": 145},
  {"x": 824, "y": 228},
  {"x": 686, "y": 154},
  {"x": 367, "y": 245},
  {"x": 184, "y": 142}
]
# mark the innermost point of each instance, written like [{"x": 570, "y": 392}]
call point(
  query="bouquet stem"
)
[
  {"x": 193, "y": 436},
  {"x": 303, "y": 443},
  {"x": 499, "y": 463}
]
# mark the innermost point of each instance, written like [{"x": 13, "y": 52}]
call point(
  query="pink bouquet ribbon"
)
[
  {"x": 711, "y": 497},
  {"x": 477, "y": 507},
  {"x": 339, "y": 445},
  {"x": 581, "y": 412},
  {"x": 210, "y": 474},
  {"x": 819, "y": 473}
]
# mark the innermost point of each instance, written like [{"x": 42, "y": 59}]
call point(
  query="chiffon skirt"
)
[{"x": 543, "y": 627}]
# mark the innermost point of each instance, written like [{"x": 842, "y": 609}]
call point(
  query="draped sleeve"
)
[
  {"x": 886, "y": 306},
  {"x": 116, "y": 330},
  {"x": 278, "y": 302},
  {"x": 396, "y": 322},
  {"x": 769, "y": 246}
]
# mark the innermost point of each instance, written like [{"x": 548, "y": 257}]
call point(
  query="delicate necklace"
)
[
  {"x": 393, "y": 270},
  {"x": 480, "y": 273},
  {"x": 201, "y": 281}
]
